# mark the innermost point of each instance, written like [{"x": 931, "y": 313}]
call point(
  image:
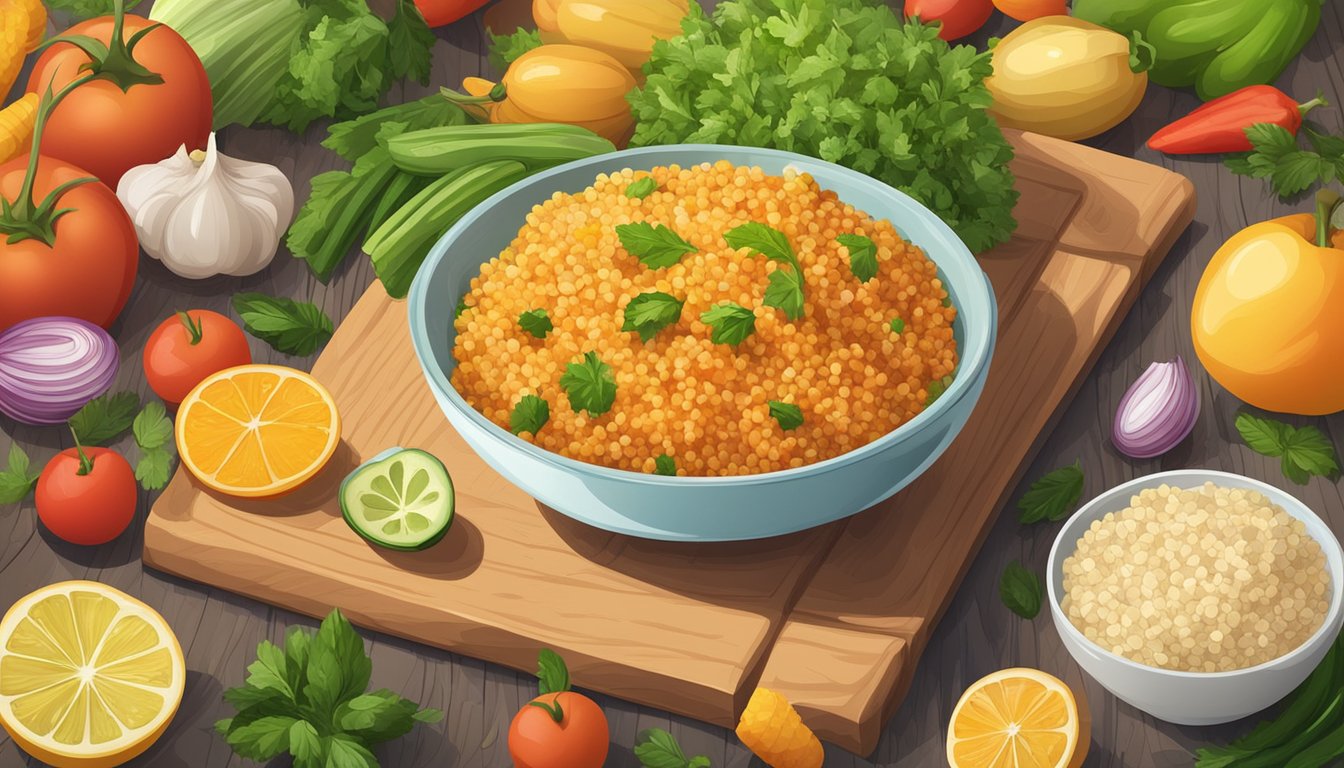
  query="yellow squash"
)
[
  {"x": 544, "y": 13},
  {"x": 623, "y": 29},
  {"x": 1067, "y": 78}
]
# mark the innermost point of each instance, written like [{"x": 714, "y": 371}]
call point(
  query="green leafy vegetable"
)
[
  {"x": 293, "y": 327},
  {"x": 641, "y": 188},
  {"x": 152, "y": 430},
  {"x": 87, "y": 9},
  {"x": 1304, "y": 451},
  {"x": 552, "y": 674},
  {"x": 1052, "y": 497},
  {"x": 536, "y": 322},
  {"x": 1277, "y": 156},
  {"x": 1020, "y": 590},
  {"x": 309, "y": 699},
  {"x": 104, "y": 419},
  {"x": 655, "y": 246},
  {"x": 656, "y": 748},
  {"x": 847, "y": 81},
  {"x": 785, "y": 290},
  {"x": 788, "y": 415},
  {"x": 154, "y": 469},
  {"x": 505, "y": 49},
  {"x": 290, "y": 62},
  {"x": 529, "y": 415},
  {"x": 665, "y": 465},
  {"x": 897, "y": 325},
  {"x": 590, "y": 385},
  {"x": 650, "y": 312},
  {"x": 862, "y": 256},
  {"x": 353, "y": 139},
  {"x": 16, "y": 482},
  {"x": 729, "y": 323}
]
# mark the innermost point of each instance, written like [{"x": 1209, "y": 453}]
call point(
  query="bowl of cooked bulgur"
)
[
  {"x": 701, "y": 342},
  {"x": 1199, "y": 597}
]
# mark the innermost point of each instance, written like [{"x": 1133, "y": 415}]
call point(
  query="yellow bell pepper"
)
[{"x": 624, "y": 29}]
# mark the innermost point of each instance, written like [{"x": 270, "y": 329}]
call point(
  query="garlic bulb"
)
[{"x": 204, "y": 214}]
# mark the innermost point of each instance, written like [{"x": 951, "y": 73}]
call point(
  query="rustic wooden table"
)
[{"x": 219, "y": 631}]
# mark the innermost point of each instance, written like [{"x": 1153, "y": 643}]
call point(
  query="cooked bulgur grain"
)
[
  {"x": 1209, "y": 579},
  {"x": 707, "y": 406}
]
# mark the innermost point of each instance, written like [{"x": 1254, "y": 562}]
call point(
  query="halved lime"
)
[{"x": 400, "y": 499}]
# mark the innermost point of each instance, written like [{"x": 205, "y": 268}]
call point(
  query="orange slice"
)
[
  {"x": 257, "y": 430},
  {"x": 1018, "y": 718}
]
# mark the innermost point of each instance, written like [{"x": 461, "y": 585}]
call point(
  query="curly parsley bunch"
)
[{"x": 846, "y": 81}]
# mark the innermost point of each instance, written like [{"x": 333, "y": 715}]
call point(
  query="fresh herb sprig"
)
[
  {"x": 862, "y": 255},
  {"x": 296, "y": 328},
  {"x": 590, "y": 385},
  {"x": 656, "y": 246},
  {"x": 1054, "y": 496},
  {"x": 153, "y": 430},
  {"x": 650, "y": 312},
  {"x": 506, "y": 49},
  {"x": 536, "y": 322},
  {"x": 16, "y": 481},
  {"x": 729, "y": 322},
  {"x": 1304, "y": 452},
  {"x": 785, "y": 291},
  {"x": 641, "y": 188},
  {"x": 788, "y": 415},
  {"x": 529, "y": 415},
  {"x": 1020, "y": 590},
  {"x": 665, "y": 465},
  {"x": 656, "y": 748},
  {"x": 1277, "y": 155},
  {"x": 105, "y": 418}
]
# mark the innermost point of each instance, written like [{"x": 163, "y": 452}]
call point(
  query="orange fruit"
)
[
  {"x": 773, "y": 730},
  {"x": 1018, "y": 718},
  {"x": 257, "y": 430}
]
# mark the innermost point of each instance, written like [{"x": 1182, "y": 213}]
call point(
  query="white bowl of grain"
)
[{"x": 1197, "y": 596}]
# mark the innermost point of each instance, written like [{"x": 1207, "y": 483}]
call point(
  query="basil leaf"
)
[{"x": 1020, "y": 590}]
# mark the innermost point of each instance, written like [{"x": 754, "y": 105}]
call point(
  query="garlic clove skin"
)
[{"x": 204, "y": 213}]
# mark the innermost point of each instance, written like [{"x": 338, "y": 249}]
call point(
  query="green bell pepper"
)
[{"x": 1218, "y": 46}]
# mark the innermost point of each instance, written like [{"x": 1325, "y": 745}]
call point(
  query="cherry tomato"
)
[
  {"x": 1026, "y": 10},
  {"x": 86, "y": 500},
  {"x": 440, "y": 12},
  {"x": 190, "y": 346},
  {"x": 108, "y": 131},
  {"x": 88, "y": 272},
  {"x": 959, "y": 17},
  {"x": 578, "y": 738}
]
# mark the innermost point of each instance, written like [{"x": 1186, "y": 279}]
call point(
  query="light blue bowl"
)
[{"x": 704, "y": 508}]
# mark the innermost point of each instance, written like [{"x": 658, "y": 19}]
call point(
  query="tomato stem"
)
[
  {"x": 115, "y": 60},
  {"x": 1326, "y": 202},
  {"x": 85, "y": 463},
  {"x": 553, "y": 709},
  {"x": 195, "y": 328}
]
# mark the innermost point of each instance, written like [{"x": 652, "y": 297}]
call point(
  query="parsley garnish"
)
[
  {"x": 16, "y": 482},
  {"x": 786, "y": 288},
  {"x": 656, "y": 247},
  {"x": 461, "y": 307},
  {"x": 650, "y": 312},
  {"x": 1020, "y": 590},
  {"x": 505, "y": 49},
  {"x": 664, "y": 465},
  {"x": 1052, "y": 497},
  {"x": 536, "y": 322},
  {"x": 897, "y": 325},
  {"x": 152, "y": 430},
  {"x": 862, "y": 256},
  {"x": 103, "y": 419},
  {"x": 309, "y": 699},
  {"x": 788, "y": 415},
  {"x": 641, "y": 188},
  {"x": 590, "y": 385},
  {"x": 529, "y": 415},
  {"x": 656, "y": 748},
  {"x": 1304, "y": 451},
  {"x": 1291, "y": 170},
  {"x": 729, "y": 323},
  {"x": 293, "y": 327}
]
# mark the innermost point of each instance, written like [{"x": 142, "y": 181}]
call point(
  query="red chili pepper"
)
[{"x": 1220, "y": 126}]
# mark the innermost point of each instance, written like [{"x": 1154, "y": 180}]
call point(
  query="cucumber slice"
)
[{"x": 400, "y": 499}]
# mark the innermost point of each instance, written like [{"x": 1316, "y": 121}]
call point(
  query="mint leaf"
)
[
  {"x": 1311, "y": 451},
  {"x": 788, "y": 415},
  {"x": 641, "y": 188},
  {"x": 656, "y": 247},
  {"x": 650, "y": 312},
  {"x": 1020, "y": 590},
  {"x": 261, "y": 739},
  {"x": 16, "y": 482},
  {"x": 154, "y": 469},
  {"x": 529, "y": 415},
  {"x": 730, "y": 323},
  {"x": 862, "y": 256},
  {"x": 305, "y": 745},
  {"x": 1264, "y": 436},
  {"x": 536, "y": 322},
  {"x": 552, "y": 674},
  {"x": 656, "y": 748},
  {"x": 338, "y": 667},
  {"x": 152, "y": 427},
  {"x": 785, "y": 292},
  {"x": 268, "y": 672},
  {"x": 346, "y": 752},
  {"x": 897, "y": 325},
  {"x": 763, "y": 240},
  {"x": 1304, "y": 451},
  {"x": 665, "y": 465},
  {"x": 292, "y": 327},
  {"x": 1052, "y": 497},
  {"x": 105, "y": 418},
  {"x": 590, "y": 385}
]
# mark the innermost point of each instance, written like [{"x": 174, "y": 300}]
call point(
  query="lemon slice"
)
[
  {"x": 1018, "y": 718},
  {"x": 89, "y": 676}
]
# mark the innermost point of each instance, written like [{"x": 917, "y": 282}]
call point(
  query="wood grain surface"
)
[{"x": 977, "y": 634}]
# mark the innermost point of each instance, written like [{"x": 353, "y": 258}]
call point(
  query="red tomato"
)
[
  {"x": 107, "y": 130},
  {"x": 89, "y": 271},
  {"x": 178, "y": 355},
  {"x": 440, "y": 12},
  {"x": 959, "y": 17},
  {"x": 578, "y": 740},
  {"x": 90, "y": 508}
]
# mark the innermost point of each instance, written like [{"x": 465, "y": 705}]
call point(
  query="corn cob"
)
[
  {"x": 16, "y": 127},
  {"x": 13, "y": 38},
  {"x": 37, "y": 23},
  {"x": 772, "y": 728}
]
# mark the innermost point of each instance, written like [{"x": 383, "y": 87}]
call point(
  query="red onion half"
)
[
  {"x": 1157, "y": 412},
  {"x": 51, "y": 366}
]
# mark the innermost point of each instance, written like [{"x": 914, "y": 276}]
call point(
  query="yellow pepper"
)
[{"x": 624, "y": 29}]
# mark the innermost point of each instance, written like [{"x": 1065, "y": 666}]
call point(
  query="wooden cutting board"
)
[{"x": 835, "y": 618}]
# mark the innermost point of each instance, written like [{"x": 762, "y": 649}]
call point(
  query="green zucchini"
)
[
  {"x": 400, "y": 499},
  {"x": 436, "y": 151}
]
